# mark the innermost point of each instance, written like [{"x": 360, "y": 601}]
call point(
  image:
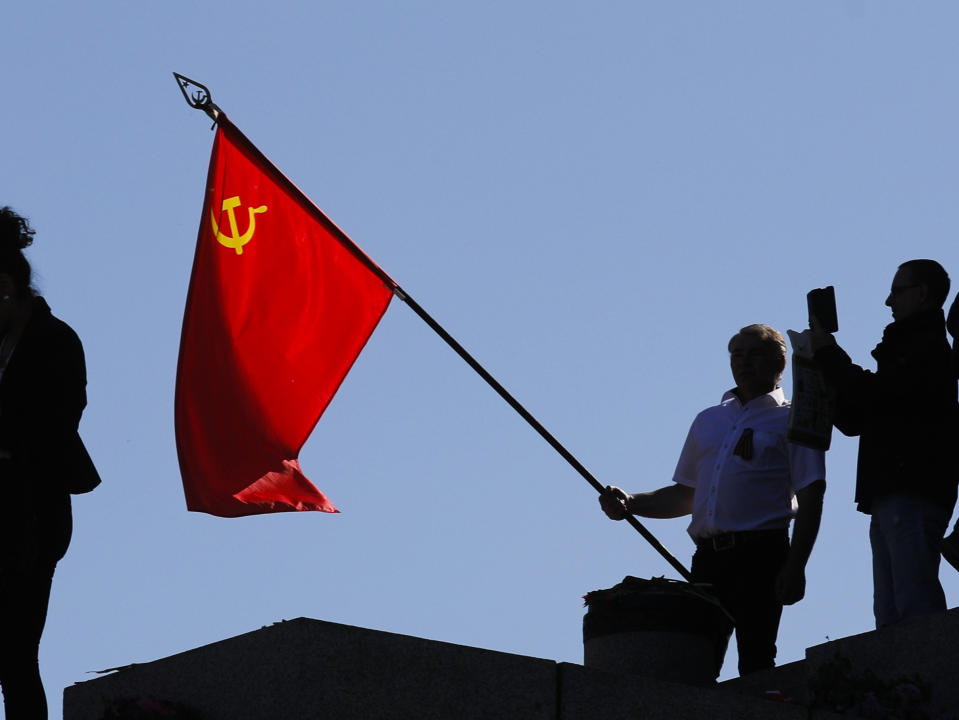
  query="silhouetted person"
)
[
  {"x": 907, "y": 418},
  {"x": 738, "y": 475},
  {"x": 952, "y": 325},
  {"x": 950, "y": 543},
  {"x": 42, "y": 394}
]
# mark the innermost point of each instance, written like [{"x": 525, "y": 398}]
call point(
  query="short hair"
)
[
  {"x": 769, "y": 336},
  {"x": 932, "y": 275}
]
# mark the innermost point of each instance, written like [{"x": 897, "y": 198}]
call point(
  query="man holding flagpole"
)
[{"x": 737, "y": 476}]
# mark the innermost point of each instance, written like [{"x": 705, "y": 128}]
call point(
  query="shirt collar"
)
[{"x": 776, "y": 398}]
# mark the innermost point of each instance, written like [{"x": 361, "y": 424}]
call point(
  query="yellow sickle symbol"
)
[{"x": 235, "y": 241}]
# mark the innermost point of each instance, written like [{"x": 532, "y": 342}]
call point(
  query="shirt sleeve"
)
[
  {"x": 686, "y": 467},
  {"x": 806, "y": 466}
]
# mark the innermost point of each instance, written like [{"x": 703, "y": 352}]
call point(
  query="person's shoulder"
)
[
  {"x": 728, "y": 401},
  {"x": 926, "y": 346},
  {"x": 47, "y": 326}
]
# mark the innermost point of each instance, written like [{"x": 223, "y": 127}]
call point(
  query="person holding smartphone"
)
[{"x": 906, "y": 415}]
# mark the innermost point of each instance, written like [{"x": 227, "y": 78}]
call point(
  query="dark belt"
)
[{"x": 727, "y": 541}]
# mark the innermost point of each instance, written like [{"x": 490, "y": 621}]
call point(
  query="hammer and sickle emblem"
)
[{"x": 235, "y": 241}]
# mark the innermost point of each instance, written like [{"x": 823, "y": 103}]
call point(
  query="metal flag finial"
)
[{"x": 197, "y": 95}]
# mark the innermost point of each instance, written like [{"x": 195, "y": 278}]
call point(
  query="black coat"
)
[
  {"x": 905, "y": 414},
  {"x": 42, "y": 395}
]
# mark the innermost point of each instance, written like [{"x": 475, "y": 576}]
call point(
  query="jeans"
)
[{"x": 905, "y": 532}]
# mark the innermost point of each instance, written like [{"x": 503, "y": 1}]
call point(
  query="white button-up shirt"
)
[{"x": 732, "y": 493}]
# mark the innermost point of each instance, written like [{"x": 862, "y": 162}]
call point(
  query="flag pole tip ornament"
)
[{"x": 197, "y": 96}]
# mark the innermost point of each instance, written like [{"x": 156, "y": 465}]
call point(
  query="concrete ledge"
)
[
  {"x": 589, "y": 694},
  {"x": 304, "y": 668},
  {"x": 925, "y": 646},
  {"x": 790, "y": 680}
]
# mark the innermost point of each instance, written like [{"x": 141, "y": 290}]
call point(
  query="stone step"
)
[
  {"x": 925, "y": 648},
  {"x": 923, "y": 652}
]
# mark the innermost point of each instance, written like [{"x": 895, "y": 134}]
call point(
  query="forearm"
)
[
  {"x": 806, "y": 524},
  {"x": 666, "y": 502},
  {"x": 834, "y": 363},
  {"x": 851, "y": 386}
]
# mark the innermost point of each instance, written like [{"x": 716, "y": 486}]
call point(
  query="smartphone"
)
[{"x": 821, "y": 302}]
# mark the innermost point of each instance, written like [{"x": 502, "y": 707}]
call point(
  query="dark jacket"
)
[
  {"x": 905, "y": 414},
  {"x": 42, "y": 395},
  {"x": 952, "y": 325}
]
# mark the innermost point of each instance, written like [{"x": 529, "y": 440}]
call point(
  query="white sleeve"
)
[{"x": 806, "y": 466}]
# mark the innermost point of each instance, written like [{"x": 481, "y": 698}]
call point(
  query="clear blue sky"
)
[{"x": 592, "y": 197}]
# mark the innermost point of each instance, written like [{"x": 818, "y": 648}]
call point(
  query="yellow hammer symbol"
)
[{"x": 235, "y": 241}]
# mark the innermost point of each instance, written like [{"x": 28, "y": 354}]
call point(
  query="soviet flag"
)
[{"x": 281, "y": 302}]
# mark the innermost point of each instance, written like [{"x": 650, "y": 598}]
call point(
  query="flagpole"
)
[
  {"x": 198, "y": 96},
  {"x": 538, "y": 427}
]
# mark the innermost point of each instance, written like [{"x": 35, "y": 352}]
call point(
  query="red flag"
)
[{"x": 280, "y": 305}]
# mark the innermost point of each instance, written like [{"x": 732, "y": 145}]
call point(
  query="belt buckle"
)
[{"x": 725, "y": 541}]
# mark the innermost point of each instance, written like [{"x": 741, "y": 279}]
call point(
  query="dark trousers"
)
[
  {"x": 743, "y": 576},
  {"x": 905, "y": 533},
  {"x": 24, "y": 596}
]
